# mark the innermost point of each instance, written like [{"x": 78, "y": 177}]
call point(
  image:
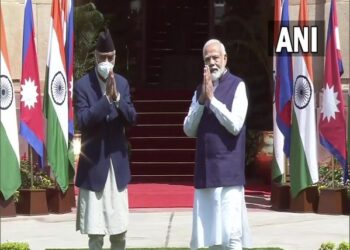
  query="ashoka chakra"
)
[
  {"x": 302, "y": 92},
  {"x": 58, "y": 88},
  {"x": 6, "y": 92}
]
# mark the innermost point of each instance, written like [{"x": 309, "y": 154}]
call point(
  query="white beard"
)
[{"x": 216, "y": 75}]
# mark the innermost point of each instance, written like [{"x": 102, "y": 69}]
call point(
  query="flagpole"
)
[
  {"x": 31, "y": 167},
  {"x": 284, "y": 175},
  {"x": 333, "y": 172}
]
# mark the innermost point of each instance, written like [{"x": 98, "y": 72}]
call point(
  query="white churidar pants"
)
[
  {"x": 220, "y": 219},
  {"x": 105, "y": 212}
]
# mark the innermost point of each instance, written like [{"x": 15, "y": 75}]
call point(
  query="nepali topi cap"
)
[{"x": 105, "y": 43}]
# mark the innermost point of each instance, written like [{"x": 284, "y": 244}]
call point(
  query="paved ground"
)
[{"x": 172, "y": 228}]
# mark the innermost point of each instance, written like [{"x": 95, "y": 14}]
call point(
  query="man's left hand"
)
[{"x": 208, "y": 84}]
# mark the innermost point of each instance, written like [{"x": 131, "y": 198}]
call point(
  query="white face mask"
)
[{"x": 104, "y": 68}]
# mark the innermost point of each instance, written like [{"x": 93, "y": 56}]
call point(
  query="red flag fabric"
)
[
  {"x": 31, "y": 117},
  {"x": 332, "y": 124}
]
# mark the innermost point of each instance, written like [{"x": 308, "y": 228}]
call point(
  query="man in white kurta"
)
[{"x": 219, "y": 213}]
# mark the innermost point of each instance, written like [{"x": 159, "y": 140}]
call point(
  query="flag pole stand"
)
[
  {"x": 57, "y": 201},
  {"x": 32, "y": 200},
  {"x": 333, "y": 200},
  {"x": 280, "y": 192},
  {"x": 7, "y": 207},
  {"x": 306, "y": 200},
  {"x": 280, "y": 196}
]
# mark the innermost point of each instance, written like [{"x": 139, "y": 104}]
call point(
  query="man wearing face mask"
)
[
  {"x": 103, "y": 109},
  {"x": 217, "y": 118}
]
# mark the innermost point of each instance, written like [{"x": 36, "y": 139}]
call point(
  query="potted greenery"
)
[
  {"x": 14, "y": 246},
  {"x": 32, "y": 193},
  {"x": 331, "y": 246},
  {"x": 334, "y": 193},
  {"x": 343, "y": 246}
]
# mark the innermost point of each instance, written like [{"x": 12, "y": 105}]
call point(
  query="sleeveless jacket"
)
[{"x": 220, "y": 155}]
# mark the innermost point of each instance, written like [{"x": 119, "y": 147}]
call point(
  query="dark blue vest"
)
[{"x": 220, "y": 156}]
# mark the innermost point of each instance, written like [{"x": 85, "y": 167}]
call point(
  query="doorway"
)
[
  {"x": 159, "y": 45},
  {"x": 175, "y": 33}
]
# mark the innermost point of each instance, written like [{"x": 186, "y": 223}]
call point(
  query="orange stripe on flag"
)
[
  {"x": 57, "y": 25},
  {"x": 303, "y": 21},
  {"x": 277, "y": 21},
  {"x": 3, "y": 41}
]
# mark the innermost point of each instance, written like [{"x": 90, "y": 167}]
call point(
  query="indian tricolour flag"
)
[
  {"x": 303, "y": 154},
  {"x": 56, "y": 101},
  {"x": 10, "y": 177}
]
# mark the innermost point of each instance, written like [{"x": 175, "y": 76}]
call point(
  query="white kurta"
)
[
  {"x": 232, "y": 120},
  {"x": 104, "y": 212},
  {"x": 219, "y": 214}
]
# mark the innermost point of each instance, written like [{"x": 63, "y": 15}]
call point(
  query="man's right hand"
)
[
  {"x": 111, "y": 90},
  {"x": 207, "y": 86}
]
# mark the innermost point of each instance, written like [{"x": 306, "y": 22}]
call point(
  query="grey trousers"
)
[{"x": 117, "y": 241}]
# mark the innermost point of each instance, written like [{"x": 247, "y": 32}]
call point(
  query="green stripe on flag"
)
[
  {"x": 10, "y": 177},
  {"x": 300, "y": 177},
  {"x": 57, "y": 149},
  {"x": 46, "y": 97},
  {"x": 276, "y": 171}
]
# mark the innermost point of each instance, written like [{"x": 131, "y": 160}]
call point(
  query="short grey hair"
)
[{"x": 215, "y": 41}]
